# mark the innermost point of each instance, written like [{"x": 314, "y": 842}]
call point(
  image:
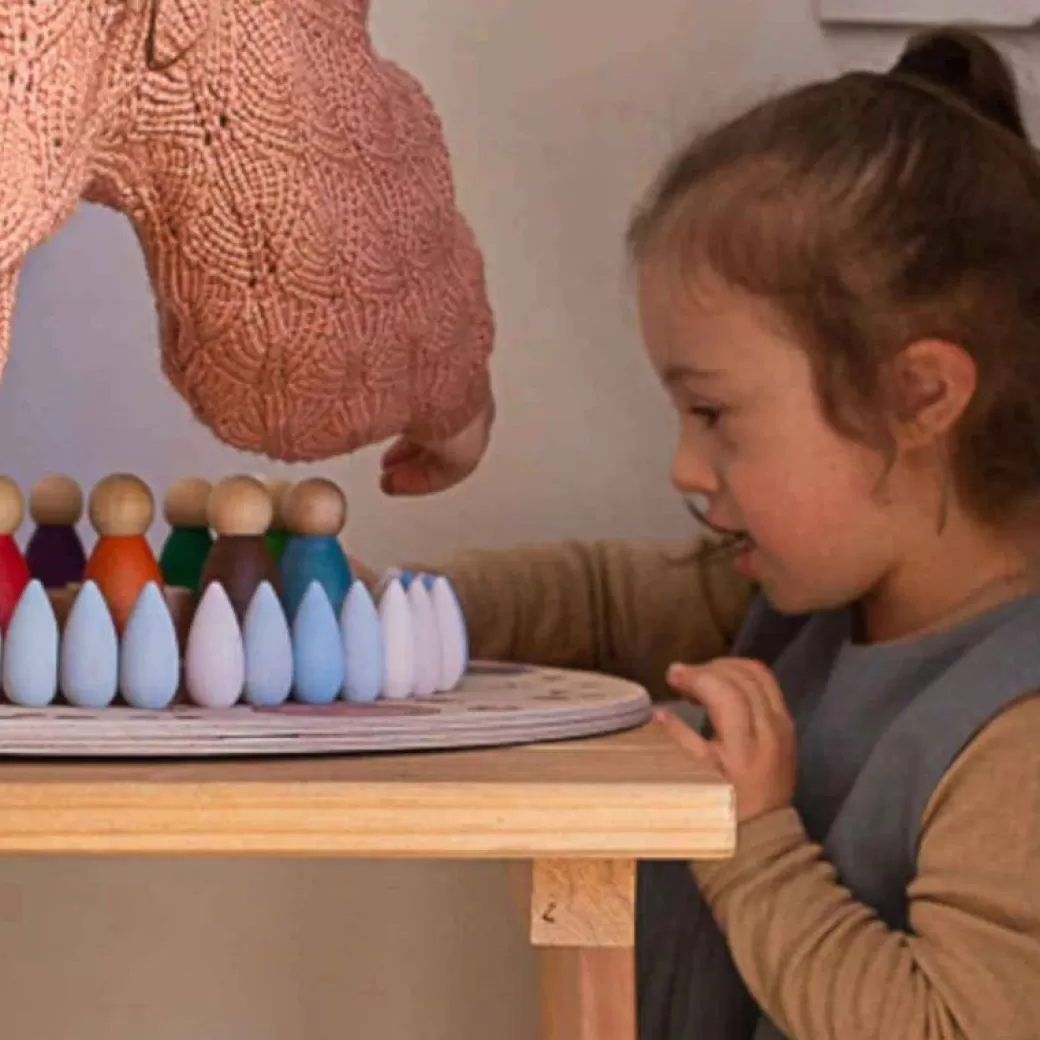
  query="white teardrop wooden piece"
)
[
  {"x": 426, "y": 639},
  {"x": 214, "y": 660},
  {"x": 398, "y": 643},
  {"x": 451, "y": 627}
]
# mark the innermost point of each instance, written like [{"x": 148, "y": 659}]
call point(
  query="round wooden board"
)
[{"x": 495, "y": 704}]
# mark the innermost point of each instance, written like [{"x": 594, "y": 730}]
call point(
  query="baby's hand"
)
[
  {"x": 412, "y": 467},
  {"x": 754, "y": 741}
]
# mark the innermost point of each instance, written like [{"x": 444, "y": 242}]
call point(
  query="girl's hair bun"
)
[{"x": 964, "y": 64}]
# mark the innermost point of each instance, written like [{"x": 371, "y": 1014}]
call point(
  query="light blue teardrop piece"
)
[
  {"x": 363, "y": 652},
  {"x": 317, "y": 649},
  {"x": 268, "y": 649},
  {"x": 149, "y": 657},
  {"x": 30, "y": 660},
  {"x": 88, "y": 664}
]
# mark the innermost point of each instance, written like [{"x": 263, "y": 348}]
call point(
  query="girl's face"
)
[{"x": 820, "y": 529}]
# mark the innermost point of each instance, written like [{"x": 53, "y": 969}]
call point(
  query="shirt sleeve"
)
[
  {"x": 626, "y": 608},
  {"x": 824, "y": 967}
]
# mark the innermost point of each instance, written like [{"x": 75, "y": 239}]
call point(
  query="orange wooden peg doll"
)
[{"x": 121, "y": 563}]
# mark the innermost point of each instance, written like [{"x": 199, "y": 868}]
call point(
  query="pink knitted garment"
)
[{"x": 316, "y": 287}]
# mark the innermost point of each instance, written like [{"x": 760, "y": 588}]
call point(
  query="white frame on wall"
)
[{"x": 1010, "y": 14}]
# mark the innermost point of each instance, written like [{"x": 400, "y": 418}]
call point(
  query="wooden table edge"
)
[{"x": 370, "y": 819}]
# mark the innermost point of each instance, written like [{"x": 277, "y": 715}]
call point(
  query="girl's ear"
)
[{"x": 931, "y": 384}]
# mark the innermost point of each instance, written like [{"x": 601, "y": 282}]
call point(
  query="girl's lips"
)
[{"x": 745, "y": 559}]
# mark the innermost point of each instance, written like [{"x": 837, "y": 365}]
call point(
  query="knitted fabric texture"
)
[{"x": 317, "y": 289}]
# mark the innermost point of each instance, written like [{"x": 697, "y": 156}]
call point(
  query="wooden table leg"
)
[
  {"x": 586, "y": 994},
  {"x": 581, "y": 916}
]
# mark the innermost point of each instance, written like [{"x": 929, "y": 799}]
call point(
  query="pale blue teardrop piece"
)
[
  {"x": 268, "y": 649},
  {"x": 30, "y": 660},
  {"x": 149, "y": 657},
  {"x": 363, "y": 653},
  {"x": 88, "y": 663},
  {"x": 317, "y": 649}
]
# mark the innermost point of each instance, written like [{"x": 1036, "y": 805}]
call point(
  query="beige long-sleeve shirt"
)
[{"x": 821, "y": 965}]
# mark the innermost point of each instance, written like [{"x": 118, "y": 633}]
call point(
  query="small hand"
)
[
  {"x": 413, "y": 467},
  {"x": 754, "y": 741}
]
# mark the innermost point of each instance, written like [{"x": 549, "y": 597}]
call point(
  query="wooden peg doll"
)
[
  {"x": 55, "y": 552},
  {"x": 188, "y": 544},
  {"x": 315, "y": 513},
  {"x": 121, "y": 510},
  {"x": 240, "y": 511},
  {"x": 14, "y": 572}
]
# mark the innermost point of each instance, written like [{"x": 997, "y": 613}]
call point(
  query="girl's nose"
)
[{"x": 693, "y": 473}]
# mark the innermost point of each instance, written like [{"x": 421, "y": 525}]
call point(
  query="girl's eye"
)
[{"x": 707, "y": 414}]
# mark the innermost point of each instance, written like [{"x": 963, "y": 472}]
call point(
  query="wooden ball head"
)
[
  {"x": 56, "y": 500},
  {"x": 121, "y": 505},
  {"x": 278, "y": 488},
  {"x": 12, "y": 506},
  {"x": 240, "y": 505},
  {"x": 186, "y": 502},
  {"x": 316, "y": 507}
]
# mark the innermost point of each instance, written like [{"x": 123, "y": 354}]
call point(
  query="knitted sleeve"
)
[
  {"x": 52, "y": 58},
  {"x": 627, "y": 608},
  {"x": 824, "y": 967},
  {"x": 317, "y": 286}
]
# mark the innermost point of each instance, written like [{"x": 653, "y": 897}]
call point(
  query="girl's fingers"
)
[
  {"x": 726, "y": 704},
  {"x": 687, "y": 737},
  {"x": 755, "y": 685},
  {"x": 766, "y": 683}
]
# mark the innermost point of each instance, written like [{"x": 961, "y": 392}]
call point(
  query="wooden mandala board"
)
[{"x": 495, "y": 704}]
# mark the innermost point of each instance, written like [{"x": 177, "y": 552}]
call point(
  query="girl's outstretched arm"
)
[
  {"x": 824, "y": 967},
  {"x": 628, "y": 608}
]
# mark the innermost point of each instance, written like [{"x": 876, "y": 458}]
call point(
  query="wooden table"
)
[{"x": 573, "y": 818}]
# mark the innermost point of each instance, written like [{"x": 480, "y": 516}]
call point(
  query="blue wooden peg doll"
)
[{"x": 315, "y": 514}]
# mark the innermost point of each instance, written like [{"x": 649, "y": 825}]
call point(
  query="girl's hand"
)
[{"x": 754, "y": 742}]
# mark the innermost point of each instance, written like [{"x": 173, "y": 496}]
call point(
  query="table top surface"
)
[{"x": 634, "y": 794}]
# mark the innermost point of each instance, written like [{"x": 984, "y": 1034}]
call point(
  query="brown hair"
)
[{"x": 874, "y": 210}]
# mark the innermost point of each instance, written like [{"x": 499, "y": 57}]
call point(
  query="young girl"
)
[{"x": 840, "y": 291}]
